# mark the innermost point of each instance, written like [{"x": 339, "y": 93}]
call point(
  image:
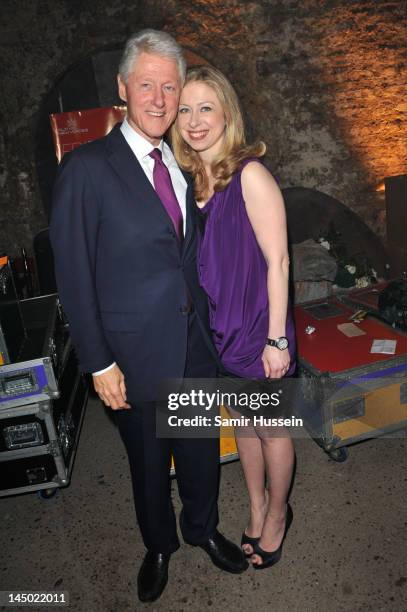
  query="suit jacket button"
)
[{"x": 185, "y": 309}]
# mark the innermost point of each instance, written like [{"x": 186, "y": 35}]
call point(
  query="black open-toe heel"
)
[
  {"x": 248, "y": 540},
  {"x": 271, "y": 558}
]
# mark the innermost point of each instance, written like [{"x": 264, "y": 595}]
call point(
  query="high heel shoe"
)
[
  {"x": 271, "y": 558},
  {"x": 248, "y": 540}
]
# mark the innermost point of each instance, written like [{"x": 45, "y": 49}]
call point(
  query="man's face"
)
[{"x": 152, "y": 92}]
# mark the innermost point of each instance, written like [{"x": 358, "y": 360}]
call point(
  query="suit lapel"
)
[{"x": 130, "y": 171}]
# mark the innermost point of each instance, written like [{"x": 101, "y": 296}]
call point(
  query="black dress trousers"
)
[{"x": 196, "y": 461}]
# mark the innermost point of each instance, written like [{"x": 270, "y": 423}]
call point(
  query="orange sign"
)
[{"x": 70, "y": 130}]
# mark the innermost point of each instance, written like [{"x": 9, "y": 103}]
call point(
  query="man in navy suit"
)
[{"x": 126, "y": 270}]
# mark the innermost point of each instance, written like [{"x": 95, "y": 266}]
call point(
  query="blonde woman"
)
[{"x": 243, "y": 267}]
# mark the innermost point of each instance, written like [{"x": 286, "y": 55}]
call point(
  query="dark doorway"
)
[{"x": 90, "y": 83}]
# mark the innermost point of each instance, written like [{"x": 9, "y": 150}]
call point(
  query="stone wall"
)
[{"x": 320, "y": 81}]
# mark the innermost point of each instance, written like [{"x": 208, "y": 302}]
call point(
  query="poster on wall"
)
[{"x": 72, "y": 129}]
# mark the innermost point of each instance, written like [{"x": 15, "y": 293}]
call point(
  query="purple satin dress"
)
[{"x": 233, "y": 273}]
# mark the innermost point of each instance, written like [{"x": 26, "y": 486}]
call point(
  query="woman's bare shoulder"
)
[{"x": 255, "y": 176}]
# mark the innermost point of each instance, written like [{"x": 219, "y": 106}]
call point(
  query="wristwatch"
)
[{"x": 280, "y": 343}]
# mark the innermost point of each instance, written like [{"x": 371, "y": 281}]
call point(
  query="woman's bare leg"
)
[
  {"x": 250, "y": 450},
  {"x": 278, "y": 456}
]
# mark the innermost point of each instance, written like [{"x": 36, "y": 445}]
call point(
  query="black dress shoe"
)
[
  {"x": 224, "y": 554},
  {"x": 153, "y": 575}
]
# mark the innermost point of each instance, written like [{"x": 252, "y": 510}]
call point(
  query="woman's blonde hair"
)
[{"x": 234, "y": 149}]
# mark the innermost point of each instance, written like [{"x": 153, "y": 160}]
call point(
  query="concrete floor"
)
[{"x": 346, "y": 550}]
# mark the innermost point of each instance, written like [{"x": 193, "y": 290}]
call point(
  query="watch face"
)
[{"x": 282, "y": 343}]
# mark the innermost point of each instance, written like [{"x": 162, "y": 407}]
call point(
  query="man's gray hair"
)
[{"x": 151, "y": 41}]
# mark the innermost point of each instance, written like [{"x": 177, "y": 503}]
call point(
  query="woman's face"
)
[{"x": 201, "y": 120}]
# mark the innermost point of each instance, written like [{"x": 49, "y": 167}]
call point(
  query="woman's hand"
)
[{"x": 275, "y": 362}]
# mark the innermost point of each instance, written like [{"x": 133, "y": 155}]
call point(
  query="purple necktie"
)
[{"x": 165, "y": 191}]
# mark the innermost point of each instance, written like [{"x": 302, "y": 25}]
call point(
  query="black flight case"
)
[
  {"x": 12, "y": 330},
  {"x": 42, "y": 402}
]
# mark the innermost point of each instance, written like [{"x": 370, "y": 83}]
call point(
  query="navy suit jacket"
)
[{"x": 121, "y": 272}]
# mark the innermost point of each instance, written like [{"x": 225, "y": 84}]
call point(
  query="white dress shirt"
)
[{"x": 142, "y": 149}]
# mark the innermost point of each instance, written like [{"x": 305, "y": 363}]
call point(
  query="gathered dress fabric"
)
[{"x": 233, "y": 273}]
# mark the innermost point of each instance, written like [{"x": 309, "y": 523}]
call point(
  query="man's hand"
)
[
  {"x": 111, "y": 388},
  {"x": 276, "y": 363}
]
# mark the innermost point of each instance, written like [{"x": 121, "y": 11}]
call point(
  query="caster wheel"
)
[
  {"x": 339, "y": 454},
  {"x": 47, "y": 493}
]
